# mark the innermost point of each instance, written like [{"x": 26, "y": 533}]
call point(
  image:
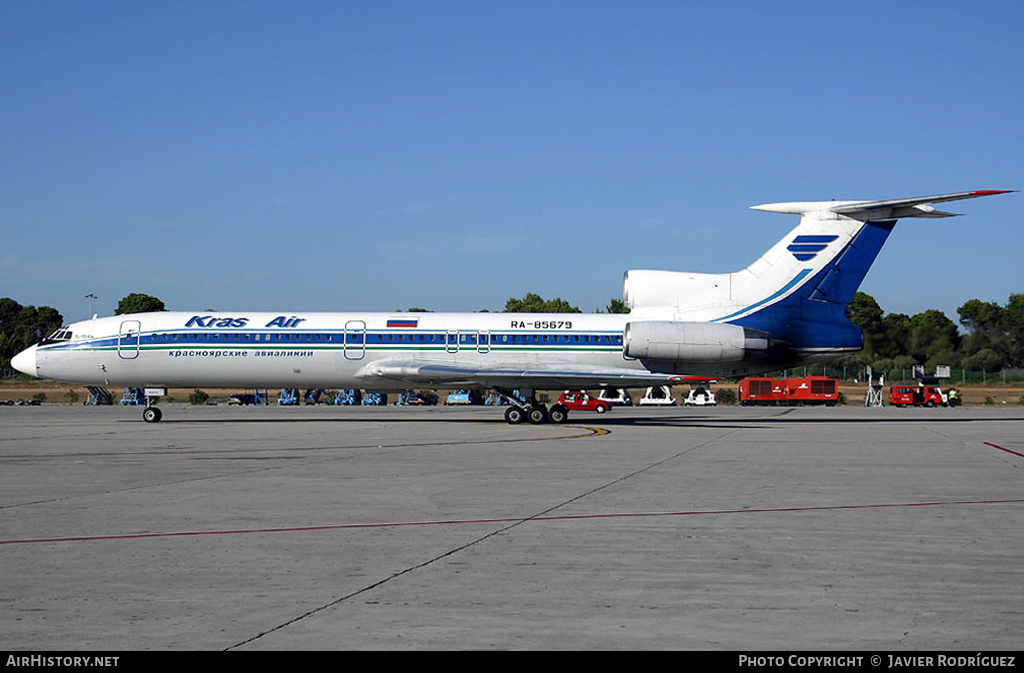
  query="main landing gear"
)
[{"x": 531, "y": 411}]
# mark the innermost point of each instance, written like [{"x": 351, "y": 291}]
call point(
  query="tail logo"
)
[{"x": 807, "y": 247}]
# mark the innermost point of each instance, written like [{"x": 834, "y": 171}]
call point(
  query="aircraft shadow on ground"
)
[{"x": 611, "y": 420}]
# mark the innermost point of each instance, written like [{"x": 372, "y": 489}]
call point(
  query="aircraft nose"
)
[{"x": 25, "y": 361}]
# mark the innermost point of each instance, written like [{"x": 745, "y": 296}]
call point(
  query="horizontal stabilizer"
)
[
  {"x": 913, "y": 207},
  {"x": 917, "y": 206}
]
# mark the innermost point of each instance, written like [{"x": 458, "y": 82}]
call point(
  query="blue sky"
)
[{"x": 449, "y": 154}]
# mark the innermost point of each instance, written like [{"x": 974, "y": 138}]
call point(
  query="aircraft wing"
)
[
  {"x": 918, "y": 206},
  {"x": 435, "y": 375}
]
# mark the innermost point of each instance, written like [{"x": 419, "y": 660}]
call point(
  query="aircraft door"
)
[
  {"x": 354, "y": 346},
  {"x": 451, "y": 341},
  {"x": 128, "y": 339}
]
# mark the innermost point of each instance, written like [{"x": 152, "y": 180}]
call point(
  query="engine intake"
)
[{"x": 678, "y": 341}]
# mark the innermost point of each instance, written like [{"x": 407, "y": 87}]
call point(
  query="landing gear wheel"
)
[
  {"x": 558, "y": 414},
  {"x": 152, "y": 415},
  {"x": 514, "y": 415},
  {"x": 537, "y": 415}
]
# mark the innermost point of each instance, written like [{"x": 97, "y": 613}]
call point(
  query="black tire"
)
[
  {"x": 601, "y": 409},
  {"x": 514, "y": 415},
  {"x": 537, "y": 415},
  {"x": 558, "y": 414},
  {"x": 152, "y": 415}
]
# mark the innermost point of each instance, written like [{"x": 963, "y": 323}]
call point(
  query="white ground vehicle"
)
[
  {"x": 658, "y": 396},
  {"x": 615, "y": 397},
  {"x": 700, "y": 396}
]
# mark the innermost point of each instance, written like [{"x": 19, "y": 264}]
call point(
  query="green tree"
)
[
  {"x": 1013, "y": 325},
  {"x": 534, "y": 303},
  {"x": 22, "y": 326},
  {"x": 986, "y": 359},
  {"x": 903, "y": 363},
  {"x": 977, "y": 315},
  {"x": 864, "y": 312},
  {"x": 617, "y": 306},
  {"x": 932, "y": 333},
  {"x": 139, "y": 303},
  {"x": 983, "y": 321},
  {"x": 897, "y": 334},
  {"x": 993, "y": 330}
]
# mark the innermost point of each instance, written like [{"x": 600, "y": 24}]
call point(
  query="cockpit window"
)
[{"x": 63, "y": 334}]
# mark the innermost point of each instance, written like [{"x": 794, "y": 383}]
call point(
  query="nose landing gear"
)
[{"x": 152, "y": 414}]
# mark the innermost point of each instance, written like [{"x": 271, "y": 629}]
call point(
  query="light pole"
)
[{"x": 90, "y": 297}]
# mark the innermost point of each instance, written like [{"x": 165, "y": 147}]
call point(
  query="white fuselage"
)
[{"x": 342, "y": 350}]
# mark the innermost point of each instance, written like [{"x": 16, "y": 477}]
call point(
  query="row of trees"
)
[
  {"x": 993, "y": 337},
  {"x": 534, "y": 303}
]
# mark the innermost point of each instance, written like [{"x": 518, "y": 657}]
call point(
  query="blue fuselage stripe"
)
[
  {"x": 338, "y": 338},
  {"x": 786, "y": 288}
]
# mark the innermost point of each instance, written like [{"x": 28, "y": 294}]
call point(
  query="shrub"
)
[{"x": 725, "y": 396}]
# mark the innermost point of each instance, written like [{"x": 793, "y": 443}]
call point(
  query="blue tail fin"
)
[
  {"x": 813, "y": 316},
  {"x": 798, "y": 290}
]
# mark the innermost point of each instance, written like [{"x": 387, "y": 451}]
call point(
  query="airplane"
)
[{"x": 786, "y": 309}]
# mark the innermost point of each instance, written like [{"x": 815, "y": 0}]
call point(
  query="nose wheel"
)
[{"x": 152, "y": 414}]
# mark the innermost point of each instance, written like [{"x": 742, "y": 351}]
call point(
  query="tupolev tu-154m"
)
[{"x": 788, "y": 308}]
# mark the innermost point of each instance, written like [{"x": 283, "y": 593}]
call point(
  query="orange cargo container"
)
[
  {"x": 788, "y": 392},
  {"x": 812, "y": 390},
  {"x": 761, "y": 391}
]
